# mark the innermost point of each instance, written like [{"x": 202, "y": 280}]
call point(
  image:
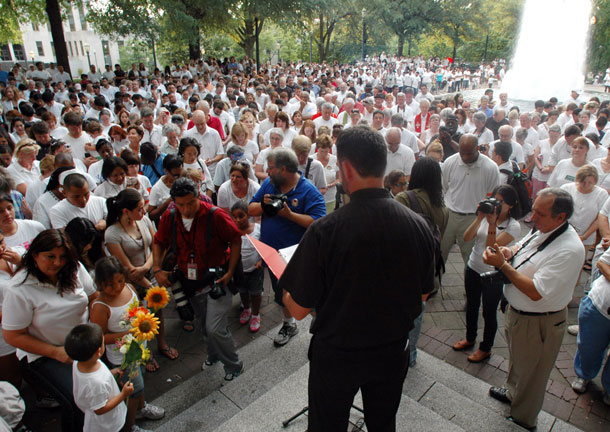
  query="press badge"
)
[{"x": 191, "y": 268}]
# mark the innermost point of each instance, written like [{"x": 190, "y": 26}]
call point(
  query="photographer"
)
[
  {"x": 496, "y": 223},
  {"x": 543, "y": 269},
  {"x": 201, "y": 248},
  {"x": 288, "y": 204}
]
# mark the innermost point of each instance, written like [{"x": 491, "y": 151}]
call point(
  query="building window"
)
[
  {"x": 70, "y": 46},
  {"x": 6, "y": 53},
  {"x": 105, "y": 48},
  {"x": 53, "y": 49},
  {"x": 81, "y": 15},
  {"x": 71, "y": 20},
  {"x": 35, "y": 27},
  {"x": 82, "y": 49},
  {"x": 19, "y": 52},
  {"x": 40, "y": 48}
]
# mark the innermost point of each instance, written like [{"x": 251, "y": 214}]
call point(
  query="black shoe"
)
[
  {"x": 286, "y": 332},
  {"x": 511, "y": 418},
  {"x": 499, "y": 393}
]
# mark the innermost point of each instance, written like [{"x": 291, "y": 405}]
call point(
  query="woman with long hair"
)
[
  {"x": 52, "y": 195},
  {"x": 114, "y": 173},
  {"x": 49, "y": 283},
  {"x": 502, "y": 227},
  {"x": 238, "y": 187},
  {"x": 239, "y": 137},
  {"x": 86, "y": 241}
]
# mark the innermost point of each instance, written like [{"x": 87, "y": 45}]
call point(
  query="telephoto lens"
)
[
  {"x": 218, "y": 289},
  {"x": 184, "y": 308}
]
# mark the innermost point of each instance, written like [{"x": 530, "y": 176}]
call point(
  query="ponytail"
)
[{"x": 128, "y": 198}]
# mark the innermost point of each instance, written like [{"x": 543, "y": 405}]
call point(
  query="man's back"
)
[{"x": 368, "y": 276}]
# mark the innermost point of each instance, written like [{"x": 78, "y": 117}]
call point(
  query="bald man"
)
[
  {"x": 211, "y": 151},
  {"x": 400, "y": 157}
]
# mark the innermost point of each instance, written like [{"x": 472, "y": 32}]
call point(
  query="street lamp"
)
[
  {"x": 278, "y": 46},
  {"x": 363, "y": 34},
  {"x": 88, "y": 50}
]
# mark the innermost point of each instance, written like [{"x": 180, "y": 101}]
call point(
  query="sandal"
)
[
  {"x": 152, "y": 365},
  {"x": 169, "y": 352},
  {"x": 588, "y": 266},
  {"x": 188, "y": 326}
]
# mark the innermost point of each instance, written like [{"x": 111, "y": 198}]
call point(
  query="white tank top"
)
[{"x": 117, "y": 315}]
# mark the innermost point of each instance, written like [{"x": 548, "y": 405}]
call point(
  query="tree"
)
[
  {"x": 407, "y": 19},
  {"x": 15, "y": 12},
  {"x": 460, "y": 19}
]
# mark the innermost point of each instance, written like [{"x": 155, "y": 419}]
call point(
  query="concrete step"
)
[{"x": 206, "y": 400}]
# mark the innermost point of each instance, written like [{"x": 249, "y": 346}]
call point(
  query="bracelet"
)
[
  {"x": 490, "y": 232},
  {"x": 156, "y": 271},
  {"x": 502, "y": 266}
]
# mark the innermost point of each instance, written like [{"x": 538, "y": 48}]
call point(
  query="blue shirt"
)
[
  {"x": 149, "y": 172},
  {"x": 279, "y": 232}
]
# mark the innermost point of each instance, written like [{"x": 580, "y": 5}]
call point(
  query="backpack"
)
[
  {"x": 519, "y": 180},
  {"x": 439, "y": 263}
]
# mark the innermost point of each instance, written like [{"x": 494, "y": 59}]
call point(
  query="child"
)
[
  {"x": 108, "y": 311},
  {"x": 252, "y": 289},
  {"x": 96, "y": 392}
]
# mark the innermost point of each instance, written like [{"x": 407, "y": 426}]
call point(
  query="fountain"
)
[{"x": 551, "y": 51}]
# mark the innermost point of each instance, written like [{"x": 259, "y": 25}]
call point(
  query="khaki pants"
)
[
  {"x": 533, "y": 346},
  {"x": 454, "y": 232}
]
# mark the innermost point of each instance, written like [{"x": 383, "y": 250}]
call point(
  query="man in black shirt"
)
[
  {"x": 494, "y": 122},
  {"x": 364, "y": 269}
]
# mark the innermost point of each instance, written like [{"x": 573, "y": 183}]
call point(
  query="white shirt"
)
[
  {"x": 91, "y": 392},
  {"x": 250, "y": 150},
  {"x": 586, "y": 209},
  {"x": 316, "y": 173},
  {"x": 27, "y": 230},
  {"x": 40, "y": 212},
  {"x": 402, "y": 159},
  {"x": 475, "y": 261},
  {"x": 466, "y": 185},
  {"x": 545, "y": 155},
  {"x": 158, "y": 194},
  {"x": 47, "y": 315},
  {"x": 330, "y": 173},
  {"x": 485, "y": 137},
  {"x": 328, "y": 123},
  {"x": 600, "y": 289},
  {"x": 153, "y": 136},
  {"x": 64, "y": 211},
  {"x": 211, "y": 144},
  {"x": 516, "y": 154},
  {"x": 564, "y": 172},
  {"x": 554, "y": 270},
  {"x": 226, "y": 197},
  {"x": 77, "y": 145},
  {"x": 21, "y": 175}
]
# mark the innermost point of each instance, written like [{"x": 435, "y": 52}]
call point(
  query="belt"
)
[
  {"x": 535, "y": 313},
  {"x": 462, "y": 214}
]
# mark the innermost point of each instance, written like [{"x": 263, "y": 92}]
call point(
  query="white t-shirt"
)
[
  {"x": 5, "y": 279},
  {"x": 22, "y": 175},
  {"x": 47, "y": 315},
  {"x": 27, "y": 230},
  {"x": 40, "y": 212},
  {"x": 158, "y": 194},
  {"x": 250, "y": 150},
  {"x": 603, "y": 178},
  {"x": 316, "y": 173},
  {"x": 226, "y": 197},
  {"x": 586, "y": 209},
  {"x": 77, "y": 145},
  {"x": 35, "y": 190},
  {"x": 600, "y": 289},
  {"x": 249, "y": 255},
  {"x": 63, "y": 212},
  {"x": 91, "y": 392},
  {"x": 330, "y": 173},
  {"x": 201, "y": 166},
  {"x": 402, "y": 159},
  {"x": 210, "y": 142},
  {"x": 328, "y": 123},
  {"x": 475, "y": 261},
  {"x": 564, "y": 172},
  {"x": 545, "y": 155}
]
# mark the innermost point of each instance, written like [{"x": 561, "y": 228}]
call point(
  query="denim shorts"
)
[{"x": 253, "y": 282}]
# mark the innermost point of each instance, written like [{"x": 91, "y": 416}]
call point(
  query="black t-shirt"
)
[
  {"x": 493, "y": 125},
  {"x": 363, "y": 268}
]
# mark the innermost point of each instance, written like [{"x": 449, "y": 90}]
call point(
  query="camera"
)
[
  {"x": 495, "y": 274},
  {"x": 490, "y": 206},
  {"x": 218, "y": 289},
  {"x": 184, "y": 308},
  {"x": 276, "y": 204}
]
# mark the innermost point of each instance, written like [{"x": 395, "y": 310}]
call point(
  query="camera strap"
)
[{"x": 544, "y": 244}]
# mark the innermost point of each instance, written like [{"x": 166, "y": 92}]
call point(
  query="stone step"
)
[{"x": 206, "y": 400}]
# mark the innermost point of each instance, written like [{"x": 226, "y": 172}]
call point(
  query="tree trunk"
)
[
  {"x": 401, "y": 43},
  {"x": 249, "y": 37},
  {"x": 195, "y": 44},
  {"x": 57, "y": 32},
  {"x": 410, "y": 44},
  {"x": 321, "y": 51}
]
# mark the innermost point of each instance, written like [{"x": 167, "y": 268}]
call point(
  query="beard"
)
[{"x": 277, "y": 180}]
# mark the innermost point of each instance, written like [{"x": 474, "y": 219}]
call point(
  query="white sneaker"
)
[
  {"x": 150, "y": 412},
  {"x": 573, "y": 330},
  {"x": 579, "y": 385}
]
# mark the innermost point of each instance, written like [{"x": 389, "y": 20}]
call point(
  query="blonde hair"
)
[
  {"x": 238, "y": 129},
  {"x": 435, "y": 147},
  {"x": 586, "y": 171},
  {"x": 301, "y": 144}
]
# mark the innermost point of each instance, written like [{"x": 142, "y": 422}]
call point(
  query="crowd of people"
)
[{"x": 129, "y": 179}]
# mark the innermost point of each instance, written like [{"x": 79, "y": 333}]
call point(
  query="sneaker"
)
[
  {"x": 150, "y": 412},
  {"x": 208, "y": 363},
  {"x": 231, "y": 376},
  {"x": 606, "y": 399},
  {"x": 244, "y": 317},
  {"x": 255, "y": 324},
  {"x": 136, "y": 428},
  {"x": 286, "y": 332},
  {"x": 573, "y": 330},
  {"x": 579, "y": 385},
  {"x": 46, "y": 402}
]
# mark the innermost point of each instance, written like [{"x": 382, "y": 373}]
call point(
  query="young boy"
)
[
  {"x": 252, "y": 289},
  {"x": 95, "y": 391}
]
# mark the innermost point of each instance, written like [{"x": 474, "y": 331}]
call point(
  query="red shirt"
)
[
  {"x": 417, "y": 122},
  {"x": 224, "y": 232}
]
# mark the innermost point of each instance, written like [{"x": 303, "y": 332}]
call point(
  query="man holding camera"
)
[
  {"x": 351, "y": 267},
  {"x": 288, "y": 204},
  {"x": 200, "y": 235},
  {"x": 541, "y": 271}
]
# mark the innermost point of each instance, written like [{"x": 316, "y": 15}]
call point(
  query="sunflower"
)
[
  {"x": 157, "y": 298},
  {"x": 145, "y": 326}
]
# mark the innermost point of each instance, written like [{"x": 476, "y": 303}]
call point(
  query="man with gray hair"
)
[
  {"x": 505, "y": 134},
  {"x": 344, "y": 116},
  {"x": 152, "y": 132},
  {"x": 542, "y": 270},
  {"x": 267, "y": 124},
  {"x": 400, "y": 157},
  {"x": 326, "y": 119},
  {"x": 302, "y": 203}
]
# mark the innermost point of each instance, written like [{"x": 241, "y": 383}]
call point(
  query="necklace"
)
[{"x": 138, "y": 237}]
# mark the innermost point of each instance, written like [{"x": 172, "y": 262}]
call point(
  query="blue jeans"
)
[
  {"x": 593, "y": 341},
  {"x": 414, "y": 335},
  {"x": 56, "y": 378}
]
